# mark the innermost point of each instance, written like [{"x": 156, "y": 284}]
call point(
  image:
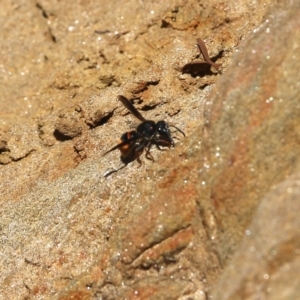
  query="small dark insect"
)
[
  {"x": 197, "y": 66},
  {"x": 146, "y": 134}
]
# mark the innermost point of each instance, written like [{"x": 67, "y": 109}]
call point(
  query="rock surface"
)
[
  {"x": 214, "y": 217},
  {"x": 266, "y": 265}
]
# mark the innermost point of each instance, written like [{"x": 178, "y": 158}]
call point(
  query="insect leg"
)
[{"x": 148, "y": 154}]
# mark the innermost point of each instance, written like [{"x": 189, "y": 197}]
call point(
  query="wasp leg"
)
[
  {"x": 139, "y": 161},
  {"x": 136, "y": 153},
  {"x": 148, "y": 154},
  {"x": 114, "y": 171},
  {"x": 159, "y": 147},
  {"x": 139, "y": 152},
  {"x": 164, "y": 143}
]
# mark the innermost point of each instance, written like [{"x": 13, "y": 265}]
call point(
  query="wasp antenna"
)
[{"x": 178, "y": 129}]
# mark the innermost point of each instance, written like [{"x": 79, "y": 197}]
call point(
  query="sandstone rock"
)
[{"x": 168, "y": 229}]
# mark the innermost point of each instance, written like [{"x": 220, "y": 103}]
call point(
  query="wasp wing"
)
[{"x": 131, "y": 108}]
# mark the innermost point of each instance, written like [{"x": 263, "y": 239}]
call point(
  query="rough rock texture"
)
[
  {"x": 266, "y": 265},
  {"x": 221, "y": 206},
  {"x": 252, "y": 127}
]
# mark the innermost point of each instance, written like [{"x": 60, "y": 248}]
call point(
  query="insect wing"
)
[
  {"x": 203, "y": 50},
  {"x": 131, "y": 108}
]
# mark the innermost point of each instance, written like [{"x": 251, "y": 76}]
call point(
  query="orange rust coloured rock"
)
[
  {"x": 167, "y": 247},
  {"x": 152, "y": 288},
  {"x": 142, "y": 293},
  {"x": 65, "y": 160},
  {"x": 96, "y": 272},
  {"x": 80, "y": 289},
  {"x": 172, "y": 211},
  {"x": 77, "y": 295},
  {"x": 239, "y": 141},
  {"x": 231, "y": 181},
  {"x": 39, "y": 290},
  {"x": 176, "y": 174}
]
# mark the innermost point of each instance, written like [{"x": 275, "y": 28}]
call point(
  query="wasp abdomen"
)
[{"x": 130, "y": 137}]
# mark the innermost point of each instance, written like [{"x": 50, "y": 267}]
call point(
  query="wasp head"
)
[{"x": 163, "y": 132}]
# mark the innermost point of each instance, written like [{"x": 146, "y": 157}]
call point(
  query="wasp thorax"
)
[{"x": 147, "y": 128}]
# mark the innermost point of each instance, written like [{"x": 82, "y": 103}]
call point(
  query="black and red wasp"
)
[{"x": 148, "y": 133}]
